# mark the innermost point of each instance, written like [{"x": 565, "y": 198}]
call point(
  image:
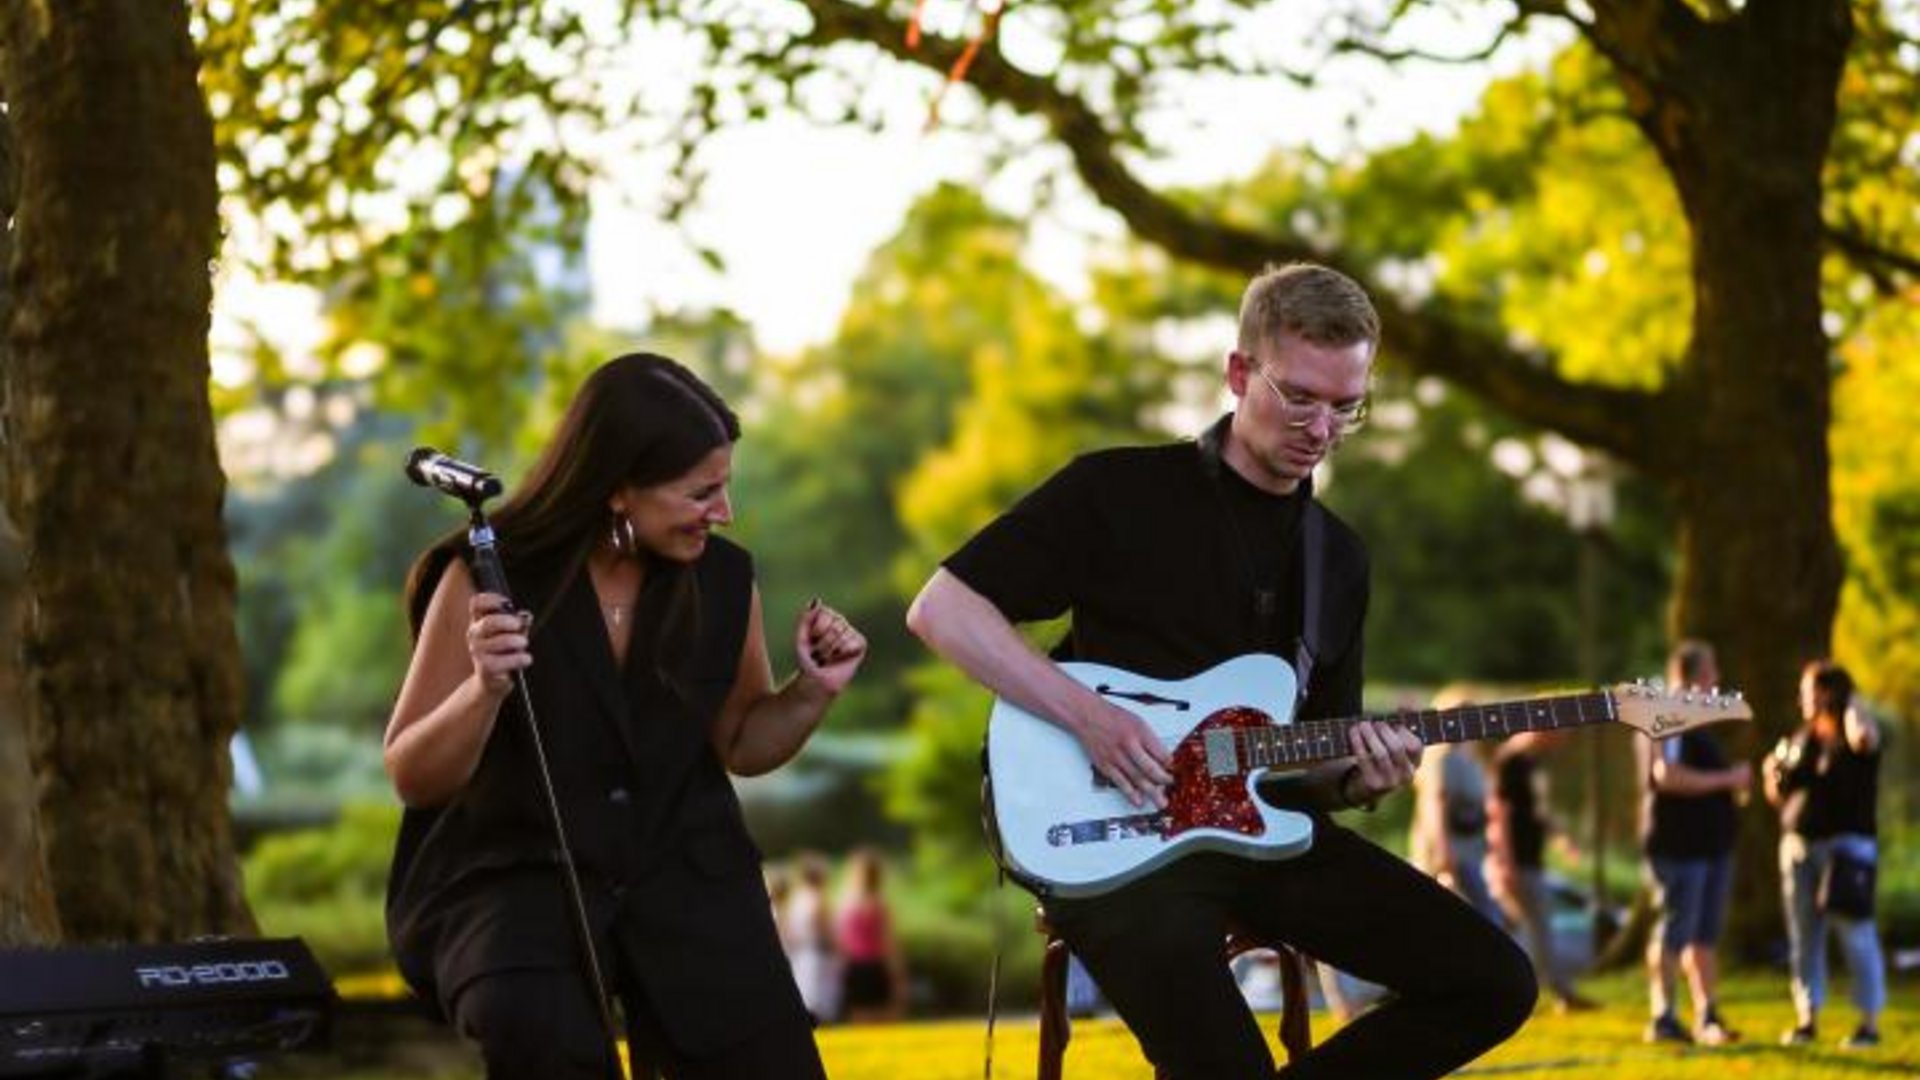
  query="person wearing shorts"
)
[{"x": 1688, "y": 822}]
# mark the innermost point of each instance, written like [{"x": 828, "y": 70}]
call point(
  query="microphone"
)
[{"x": 431, "y": 468}]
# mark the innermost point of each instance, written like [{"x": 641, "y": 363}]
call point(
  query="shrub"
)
[
  {"x": 949, "y": 960},
  {"x": 328, "y": 886}
]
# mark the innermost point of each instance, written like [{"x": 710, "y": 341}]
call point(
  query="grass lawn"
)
[{"x": 1601, "y": 1045}]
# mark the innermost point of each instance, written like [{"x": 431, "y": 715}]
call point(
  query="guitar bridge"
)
[{"x": 1104, "y": 830}]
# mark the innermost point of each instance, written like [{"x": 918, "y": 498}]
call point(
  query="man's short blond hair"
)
[{"x": 1317, "y": 303}]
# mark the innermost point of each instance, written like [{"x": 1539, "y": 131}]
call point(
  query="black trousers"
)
[
  {"x": 1458, "y": 984},
  {"x": 539, "y": 1024}
]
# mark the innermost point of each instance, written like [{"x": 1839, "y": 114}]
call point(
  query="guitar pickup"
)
[{"x": 1222, "y": 758}]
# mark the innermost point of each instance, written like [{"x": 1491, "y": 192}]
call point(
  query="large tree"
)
[{"x": 125, "y": 649}]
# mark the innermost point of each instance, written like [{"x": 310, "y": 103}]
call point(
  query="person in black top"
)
[
  {"x": 1687, "y": 827},
  {"x": 1825, "y": 780},
  {"x": 652, "y": 684},
  {"x": 1518, "y": 828},
  {"x": 1171, "y": 559}
]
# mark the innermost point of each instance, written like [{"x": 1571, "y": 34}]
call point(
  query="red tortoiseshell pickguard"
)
[{"x": 1197, "y": 800}]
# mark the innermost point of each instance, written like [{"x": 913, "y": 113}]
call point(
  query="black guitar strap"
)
[{"x": 1313, "y": 533}]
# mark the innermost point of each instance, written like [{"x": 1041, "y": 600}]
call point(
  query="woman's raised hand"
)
[{"x": 830, "y": 649}]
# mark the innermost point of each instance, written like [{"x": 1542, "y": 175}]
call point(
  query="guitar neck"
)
[{"x": 1315, "y": 741}]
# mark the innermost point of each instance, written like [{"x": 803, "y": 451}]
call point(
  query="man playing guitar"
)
[{"x": 1171, "y": 559}]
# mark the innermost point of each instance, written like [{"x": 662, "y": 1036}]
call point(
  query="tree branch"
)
[
  {"x": 1429, "y": 339},
  {"x": 1524, "y": 384},
  {"x": 1094, "y": 149},
  {"x": 1880, "y": 263},
  {"x": 1369, "y": 45},
  {"x": 380, "y": 101},
  {"x": 1624, "y": 31}
]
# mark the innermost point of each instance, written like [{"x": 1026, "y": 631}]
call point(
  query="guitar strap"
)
[
  {"x": 1313, "y": 533},
  {"x": 1313, "y": 530}
]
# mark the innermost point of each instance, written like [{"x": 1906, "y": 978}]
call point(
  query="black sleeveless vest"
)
[{"x": 650, "y": 814}]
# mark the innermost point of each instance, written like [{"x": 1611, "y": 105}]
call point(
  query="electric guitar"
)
[{"x": 1068, "y": 831}]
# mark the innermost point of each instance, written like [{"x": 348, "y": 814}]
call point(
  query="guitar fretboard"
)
[{"x": 1323, "y": 740}]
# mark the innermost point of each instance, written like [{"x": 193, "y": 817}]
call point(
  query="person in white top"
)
[{"x": 806, "y": 928}]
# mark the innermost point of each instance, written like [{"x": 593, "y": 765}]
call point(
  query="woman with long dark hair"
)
[{"x": 639, "y": 632}]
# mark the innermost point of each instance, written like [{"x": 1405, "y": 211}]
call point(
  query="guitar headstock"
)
[{"x": 1660, "y": 713}]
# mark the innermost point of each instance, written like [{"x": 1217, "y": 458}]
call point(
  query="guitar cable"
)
[{"x": 993, "y": 969}]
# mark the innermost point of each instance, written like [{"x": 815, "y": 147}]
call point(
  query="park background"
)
[{"x": 1648, "y": 267}]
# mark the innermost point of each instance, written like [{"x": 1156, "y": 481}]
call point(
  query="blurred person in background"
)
[
  {"x": 1448, "y": 838},
  {"x": 1518, "y": 829},
  {"x": 1825, "y": 780},
  {"x": 1688, "y": 822},
  {"x": 779, "y": 887},
  {"x": 874, "y": 972},
  {"x": 808, "y": 923}
]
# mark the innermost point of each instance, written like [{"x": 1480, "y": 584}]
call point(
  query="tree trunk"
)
[
  {"x": 1744, "y": 129},
  {"x": 26, "y": 899},
  {"x": 1760, "y": 575},
  {"x": 132, "y": 665}
]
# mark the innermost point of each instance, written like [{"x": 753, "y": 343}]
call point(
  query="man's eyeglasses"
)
[{"x": 1302, "y": 412}]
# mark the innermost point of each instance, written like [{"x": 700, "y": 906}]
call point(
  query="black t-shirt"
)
[
  {"x": 1841, "y": 790},
  {"x": 1162, "y": 555},
  {"x": 1691, "y": 826},
  {"x": 1526, "y": 827}
]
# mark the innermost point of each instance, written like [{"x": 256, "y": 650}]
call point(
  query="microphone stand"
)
[{"x": 492, "y": 577}]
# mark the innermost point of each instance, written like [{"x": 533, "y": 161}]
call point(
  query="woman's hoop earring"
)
[{"x": 622, "y": 537}]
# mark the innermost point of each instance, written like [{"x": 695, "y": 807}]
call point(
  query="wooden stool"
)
[{"x": 1296, "y": 1032}]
